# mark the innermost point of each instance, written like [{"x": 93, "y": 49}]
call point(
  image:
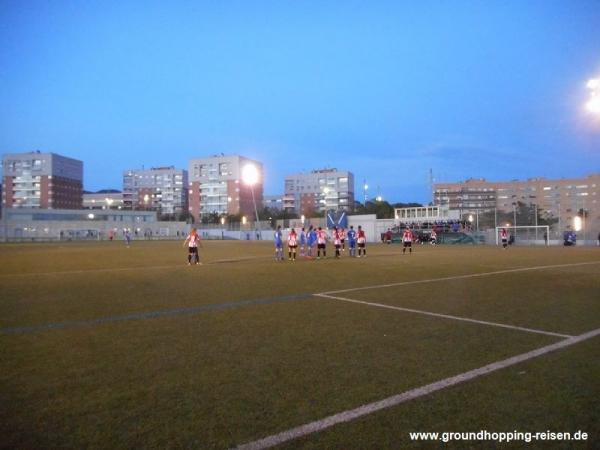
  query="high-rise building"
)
[
  {"x": 216, "y": 186},
  {"x": 562, "y": 198},
  {"x": 162, "y": 189},
  {"x": 41, "y": 180},
  {"x": 319, "y": 190}
]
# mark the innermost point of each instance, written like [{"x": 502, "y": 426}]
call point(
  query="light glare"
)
[
  {"x": 577, "y": 223},
  {"x": 593, "y": 105},
  {"x": 250, "y": 174}
]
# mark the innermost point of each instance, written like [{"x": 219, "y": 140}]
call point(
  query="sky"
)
[{"x": 386, "y": 89}]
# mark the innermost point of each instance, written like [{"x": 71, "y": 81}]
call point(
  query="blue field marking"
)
[{"x": 154, "y": 314}]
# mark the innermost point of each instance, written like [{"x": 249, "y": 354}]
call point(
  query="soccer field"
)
[{"x": 104, "y": 346}]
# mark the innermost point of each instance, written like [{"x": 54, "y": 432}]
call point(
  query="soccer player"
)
[
  {"x": 321, "y": 243},
  {"x": 312, "y": 240},
  {"x": 351, "y": 241},
  {"x": 407, "y": 238},
  {"x": 504, "y": 238},
  {"x": 337, "y": 241},
  {"x": 302, "y": 242},
  {"x": 192, "y": 240},
  {"x": 127, "y": 238},
  {"x": 361, "y": 239},
  {"x": 433, "y": 237},
  {"x": 278, "y": 238},
  {"x": 292, "y": 245},
  {"x": 342, "y": 232}
]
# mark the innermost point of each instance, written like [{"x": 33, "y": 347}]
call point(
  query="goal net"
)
[{"x": 525, "y": 235}]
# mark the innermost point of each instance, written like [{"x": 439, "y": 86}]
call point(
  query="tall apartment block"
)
[
  {"x": 216, "y": 186},
  {"x": 41, "y": 180},
  {"x": 562, "y": 198},
  {"x": 319, "y": 190},
  {"x": 162, "y": 189}
]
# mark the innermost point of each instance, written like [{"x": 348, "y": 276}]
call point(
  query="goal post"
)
[{"x": 526, "y": 235}]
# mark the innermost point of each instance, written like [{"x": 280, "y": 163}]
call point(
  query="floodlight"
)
[
  {"x": 90, "y": 216},
  {"x": 577, "y": 223},
  {"x": 379, "y": 198},
  {"x": 222, "y": 220},
  {"x": 593, "y": 105},
  {"x": 250, "y": 174},
  {"x": 471, "y": 218},
  {"x": 244, "y": 220}
]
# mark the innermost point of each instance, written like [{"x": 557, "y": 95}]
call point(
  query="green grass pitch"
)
[{"x": 104, "y": 346}]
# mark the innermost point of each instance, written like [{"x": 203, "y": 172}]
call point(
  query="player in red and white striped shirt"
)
[
  {"x": 292, "y": 245},
  {"x": 192, "y": 241},
  {"x": 407, "y": 238},
  {"x": 321, "y": 242},
  {"x": 361, "y": 240},
  {"x": 337, "y": 241}
]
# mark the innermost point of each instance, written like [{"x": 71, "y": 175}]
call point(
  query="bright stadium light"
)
[
  {"x": 250, "y": 174},
  {"x": 593, "y": 105},
  {"x": 90, "y": 216},
  {"x": 244, "y": 220},
  {"x": 577, "y": 223}
]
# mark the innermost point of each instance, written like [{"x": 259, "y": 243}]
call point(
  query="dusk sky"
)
[{"x": 387, "y": 90}]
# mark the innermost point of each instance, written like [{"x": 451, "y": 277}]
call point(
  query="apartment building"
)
[
  {"x": 103, "y": 199},
  {"x": 216, "y": 186},
  {"x": 161, "y": 189},
  {"x": 319, "y": 190},
  {"x": 562, "y": 198},
  {"x": 41, "y": 180}
]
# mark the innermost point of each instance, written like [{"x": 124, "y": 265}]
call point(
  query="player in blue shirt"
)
[
  {"x": 351, "y": 235},
  {"x": 311, "y": 240},
  {"x": 302, "y": 242},
  {"x": 278, "y": 238}
]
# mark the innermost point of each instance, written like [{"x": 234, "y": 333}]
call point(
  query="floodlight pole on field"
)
[{"x": 256, "y": 212}]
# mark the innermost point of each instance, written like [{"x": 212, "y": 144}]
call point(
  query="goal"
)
[{"x": 525, "y": 235}]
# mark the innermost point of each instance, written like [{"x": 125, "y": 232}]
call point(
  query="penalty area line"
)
[
  {"x": 370, "y": 408},
  {"x": 445, "y": 316},
  {"x": 461, "y": 277}
]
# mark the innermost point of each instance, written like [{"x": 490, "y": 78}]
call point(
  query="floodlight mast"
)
[{"x": 250, "y": 178}]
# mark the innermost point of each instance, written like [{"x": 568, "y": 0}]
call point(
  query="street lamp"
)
[
  {"x": 365, "y": 187},
  {"x": 250, "y": 177}
]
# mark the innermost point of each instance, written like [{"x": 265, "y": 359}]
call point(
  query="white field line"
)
[
  {"x": 460, "y": 277},
  {"x": 445, "y": 316},
  {"x": 347, "y": 416}
]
